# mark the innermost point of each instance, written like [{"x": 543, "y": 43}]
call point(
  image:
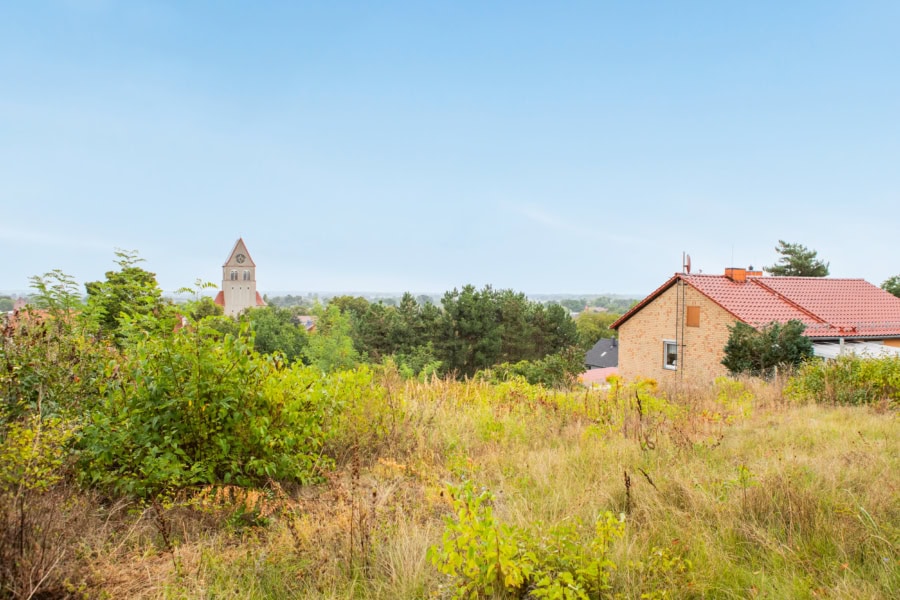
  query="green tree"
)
[
  {"x": 554, "y": 330},
  {"x": 759, "y": 352},
  {"x": 276, "y": 330},
  {"x": 6, "y": 304},
  {"x": 206, "y": 307},
  {"x": 470, "y": 336},
  {"x": 593, "y": 326},
  {"x": 574, "y": 304},
  {"x": 892, "y": 285},
  {"x": 130, "y": 291},
  {"x": 797, "y": 260},
  {"x": 331, "y": 347},
  {"x": 480, "y": 328}
]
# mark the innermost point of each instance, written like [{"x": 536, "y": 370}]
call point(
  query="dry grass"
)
[{"x": 766, "y": 499}]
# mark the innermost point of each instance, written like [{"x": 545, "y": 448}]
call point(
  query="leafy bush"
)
[
  {"x": 486, "y": 558},
  {"x": 483, "y": 556},
  {"x": 847, "y": 380},
  {"x": 47, "y": 366},
  {"x": 553, "y": 371},
  {"x": 192, "y": 407},
  {"x": 760, "y": 352},
  {"x": 420, "y": 362}
]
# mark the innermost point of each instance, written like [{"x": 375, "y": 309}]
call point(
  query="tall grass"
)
[{"x": 727, "y": 491}]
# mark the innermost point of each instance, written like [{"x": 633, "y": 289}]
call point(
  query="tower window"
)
[
  {"x": 246, "y": 275},
  {"x": 233, "y": 275}
]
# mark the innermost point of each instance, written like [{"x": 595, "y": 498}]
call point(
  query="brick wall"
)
[{"x": 641, "y": 338}]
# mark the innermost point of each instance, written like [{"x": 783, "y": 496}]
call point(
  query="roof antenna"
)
[
  {"x": 732, "y": 255},
  {"x": 686, "y": 263}
]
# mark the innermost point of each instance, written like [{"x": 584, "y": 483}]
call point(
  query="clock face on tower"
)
[{"x": 240, "y": 258}]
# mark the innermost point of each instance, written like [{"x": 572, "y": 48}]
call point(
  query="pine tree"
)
[{"x": 797, "y": 260}]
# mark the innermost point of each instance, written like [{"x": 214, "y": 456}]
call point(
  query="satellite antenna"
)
[{"x": 686, "y": 266}]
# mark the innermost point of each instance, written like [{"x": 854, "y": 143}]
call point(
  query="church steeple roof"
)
[{"x": 239, "y": 256}]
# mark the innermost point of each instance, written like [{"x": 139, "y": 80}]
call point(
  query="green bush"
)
[
  {"x": 47, "y": 367},
  {"x": 760, "y": 352},
  {"x": 847, "y": 380},
  {"x": 192, "y": 407},
  {"x": 485, "y": 558},
  {"x": 554, "y": 371}
]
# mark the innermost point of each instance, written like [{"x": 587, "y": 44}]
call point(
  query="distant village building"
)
[
  {"x": 605, "y": 353},
  {"x": 238, "y": 291}
]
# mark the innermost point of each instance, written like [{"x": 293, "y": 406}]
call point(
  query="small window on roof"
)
[{"x": 693, "y": 316}]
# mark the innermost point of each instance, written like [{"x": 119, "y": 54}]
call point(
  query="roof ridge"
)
[
  {"x": 806, "y": 277},
  {"x": 784, "y": 298}
]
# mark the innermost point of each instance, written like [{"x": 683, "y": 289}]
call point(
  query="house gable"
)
[{"x": 661, "y": 320}]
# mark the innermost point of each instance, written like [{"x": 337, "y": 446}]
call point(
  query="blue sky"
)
[{"x": 390, "y": 146}]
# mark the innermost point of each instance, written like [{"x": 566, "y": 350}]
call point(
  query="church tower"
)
[{"x": 239, "y": 282}]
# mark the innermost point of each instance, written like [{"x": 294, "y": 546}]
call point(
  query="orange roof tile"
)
[
  {"x": 854, "y": 307},
  {"x": 830, "y": 308},
  {"x": 754, "y": 304}
]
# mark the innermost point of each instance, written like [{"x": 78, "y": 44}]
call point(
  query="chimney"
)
[
  {"x": 739, "y": 275},
  {"x": 736, "y": 275}
]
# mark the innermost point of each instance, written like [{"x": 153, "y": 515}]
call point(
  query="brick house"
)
[{"x": 680, "y": 330}]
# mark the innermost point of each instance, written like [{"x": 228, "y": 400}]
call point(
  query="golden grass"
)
[{"x": 765, "y": 498}]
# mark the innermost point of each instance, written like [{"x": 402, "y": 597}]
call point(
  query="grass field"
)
[{"x": 725, "y": 492}]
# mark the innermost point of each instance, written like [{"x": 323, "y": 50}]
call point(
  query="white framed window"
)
[
  {"x": 246, "y": 275},
  {"x": 670, "y": 355},
  {"x": 233, "y": 275}
]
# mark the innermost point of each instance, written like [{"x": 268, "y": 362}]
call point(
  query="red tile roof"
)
[
  {"x": 752, "y": 303},
  {"x": 599, "y": 375},
  {"x": 830, "y": 308},
  {"x": 854, "y": 307},
  {"x": 220, "y": 299}
]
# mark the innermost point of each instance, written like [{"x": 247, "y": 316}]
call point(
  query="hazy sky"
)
[{"x": 390, "y": 146}]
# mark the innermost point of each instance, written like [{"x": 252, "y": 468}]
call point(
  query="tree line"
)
[{"x": 471, "y": 332}]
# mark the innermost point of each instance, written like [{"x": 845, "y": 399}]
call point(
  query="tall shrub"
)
[
  {"x": 193, "y": 407},
  {"x": 759, "y": 352}
]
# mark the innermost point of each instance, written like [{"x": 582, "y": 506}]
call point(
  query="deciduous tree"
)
[
  {"x": 594, "y": 326},
  {"x": 131, "y": 291},
  {"x": 276, "y": 330}
]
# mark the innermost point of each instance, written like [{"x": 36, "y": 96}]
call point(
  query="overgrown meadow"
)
[{"x": 174, "y": 460}]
